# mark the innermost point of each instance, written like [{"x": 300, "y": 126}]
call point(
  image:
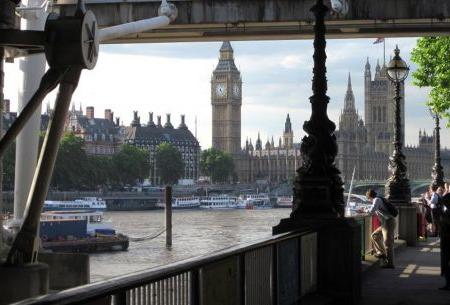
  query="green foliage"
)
[
  {"x": 130, "y": 164},
  {"x": 217, "y": 164},
  {"x": 101, "y": 172},
  {"x": 71, "y": 167},
  {"x": 432, "y": 55},
  {"x": 169, "y": 163},
  {"x": 75, "y": 170}
]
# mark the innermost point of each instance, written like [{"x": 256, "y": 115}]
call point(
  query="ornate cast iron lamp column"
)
[
  {"x": 397, "y": 186},
  {"x": 318, "y": 186},
  {"x": 437, "y": 173}
]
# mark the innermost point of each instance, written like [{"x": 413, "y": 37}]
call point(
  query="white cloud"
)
[
  {"x": 277, "y": 80},
  {"x": 292, "y": 61}
]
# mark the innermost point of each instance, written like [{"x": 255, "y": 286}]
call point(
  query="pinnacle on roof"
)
[
  {"x": 349, "y": 101},
  {"x": 287, "y": 125},
  {"x": 226, "y": 47},
  {"x": 367, "y": 64},
  {"x": 349, "y": 83}
]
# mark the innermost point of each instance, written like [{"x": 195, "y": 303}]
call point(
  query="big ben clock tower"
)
[{"x": 226, "y": 100}]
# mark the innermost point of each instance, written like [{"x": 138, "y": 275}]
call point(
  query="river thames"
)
[{"x": 195, "y": 232}]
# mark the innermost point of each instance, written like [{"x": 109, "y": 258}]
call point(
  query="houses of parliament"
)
[{"x": 364, "y": 145}]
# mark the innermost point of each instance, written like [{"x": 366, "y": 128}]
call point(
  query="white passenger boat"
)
[
  {"x": 218, "y": 202},
  {"x": 284, "y": 201},
  {"x": 254, "y": 201},
  {"x": 87, "y": 203},
  {"x": 182, "y": 203}
]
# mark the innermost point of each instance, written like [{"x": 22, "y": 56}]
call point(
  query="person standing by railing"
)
[{"x": 383, "y": 236}]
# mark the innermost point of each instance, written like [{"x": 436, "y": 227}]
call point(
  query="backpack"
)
[{"x": 390, "y": 207}]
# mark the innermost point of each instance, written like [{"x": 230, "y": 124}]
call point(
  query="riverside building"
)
[
  {"x": 363, "y": 144},
  {"x": 150, "y": 135},
  {"x": 101, "y": 135}
]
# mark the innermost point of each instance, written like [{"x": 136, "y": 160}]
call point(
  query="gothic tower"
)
[
  {"x": 226, "y": 100},
  {"x": 288, "y": 135},
  {"x": 379, "y": 109},
  {"x": 350, "y": 138}
]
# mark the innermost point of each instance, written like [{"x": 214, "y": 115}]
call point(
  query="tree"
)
[
  {"x": 169, "y": 163},
  {"x": 101, "y": 172},
  {"x": 72, "y": 165},
  {"x": 217, "y": 164},
  {"x": 129, "y": 165},
  {"x": 432, "y": 55}
]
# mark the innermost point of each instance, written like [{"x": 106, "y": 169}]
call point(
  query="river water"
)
[{"x": 195, "y": 232}]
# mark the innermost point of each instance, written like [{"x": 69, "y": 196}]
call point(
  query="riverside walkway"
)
[{"x": 415, "y": 280}]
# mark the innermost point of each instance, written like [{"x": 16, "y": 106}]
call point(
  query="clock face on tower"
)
[
  {"x": 236, "y": 90},
  {"x": 220, "y": 90}
]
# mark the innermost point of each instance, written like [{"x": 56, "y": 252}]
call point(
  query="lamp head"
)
[
  {"x": 339, "y": 6},
  {"x": 397, "y": 69}
]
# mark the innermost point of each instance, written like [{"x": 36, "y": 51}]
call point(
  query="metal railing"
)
[{"x": 276, "y": 270}]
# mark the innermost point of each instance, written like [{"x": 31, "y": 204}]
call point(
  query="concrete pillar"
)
[
  {"x": 22, "y": 282},
  {"x": 407, "y": 224},
  {"x": 32, "y": 69}
]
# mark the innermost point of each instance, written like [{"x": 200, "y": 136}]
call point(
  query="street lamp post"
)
[
  {"x": 318, "y": 187},
  {"x": 437, "y": 173},
  {"x": 397, "y": 186}
]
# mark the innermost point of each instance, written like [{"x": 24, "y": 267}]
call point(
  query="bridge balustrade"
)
[{"x": 277, "y": 270}]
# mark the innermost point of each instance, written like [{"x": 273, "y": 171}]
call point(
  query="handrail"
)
[{"x": 118, "y": 284}]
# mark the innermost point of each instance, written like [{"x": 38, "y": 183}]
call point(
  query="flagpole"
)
[{"x": 384, "y": 51}]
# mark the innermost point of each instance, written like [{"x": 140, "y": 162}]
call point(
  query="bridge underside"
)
[{"x": 209, "y": 20}]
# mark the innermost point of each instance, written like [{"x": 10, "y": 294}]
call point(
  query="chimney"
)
[
  {"x": 117, "y": 121},
  {"x": 136, "y": 120},
  {"x": 150, "y": 120},
  {"x": 90, "y": 112},
  {"x": 6, "y": 106},
  {"x": 109, "y": 115},
  {"x": 168, "y": 124},
  {"x": 182, "y": 124},
  {"x": 159, "y": 121}
]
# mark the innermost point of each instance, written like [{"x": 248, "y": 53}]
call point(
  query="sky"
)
[{"x": 176, "y": 78}]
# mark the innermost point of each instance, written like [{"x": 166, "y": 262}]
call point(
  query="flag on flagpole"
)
[{"x": 379, "y": 40}]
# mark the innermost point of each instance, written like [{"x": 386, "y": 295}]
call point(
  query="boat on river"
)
[
  {"x": 284, "y": 201},
  {"x": 254, "y": 201},
  {"x": 182, "y": 203},
  {"x": 79, "y": 231},
  {"x": 218, "y": 202},
  {"x": 86, "y": 203}
]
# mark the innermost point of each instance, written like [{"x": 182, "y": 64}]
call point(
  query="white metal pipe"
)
[
  {"x": 33, "y": 8},
  {"x": 135, "y": 27},
  {"x": 32, "y": 68}
]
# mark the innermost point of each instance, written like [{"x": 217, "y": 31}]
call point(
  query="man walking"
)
[{"x": 383, "y": 237}]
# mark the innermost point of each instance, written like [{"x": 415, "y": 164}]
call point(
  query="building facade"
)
[
  {"x": 271, "y": 163},
  {"x": 101, "y": 135},
  {"x": 364, "y": 145},
  {"x": 149, "y": 136},
  {"x": 226, "y": 101}
]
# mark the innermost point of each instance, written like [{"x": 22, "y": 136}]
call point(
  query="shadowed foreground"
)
[{"x": 415, "y": 280}]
